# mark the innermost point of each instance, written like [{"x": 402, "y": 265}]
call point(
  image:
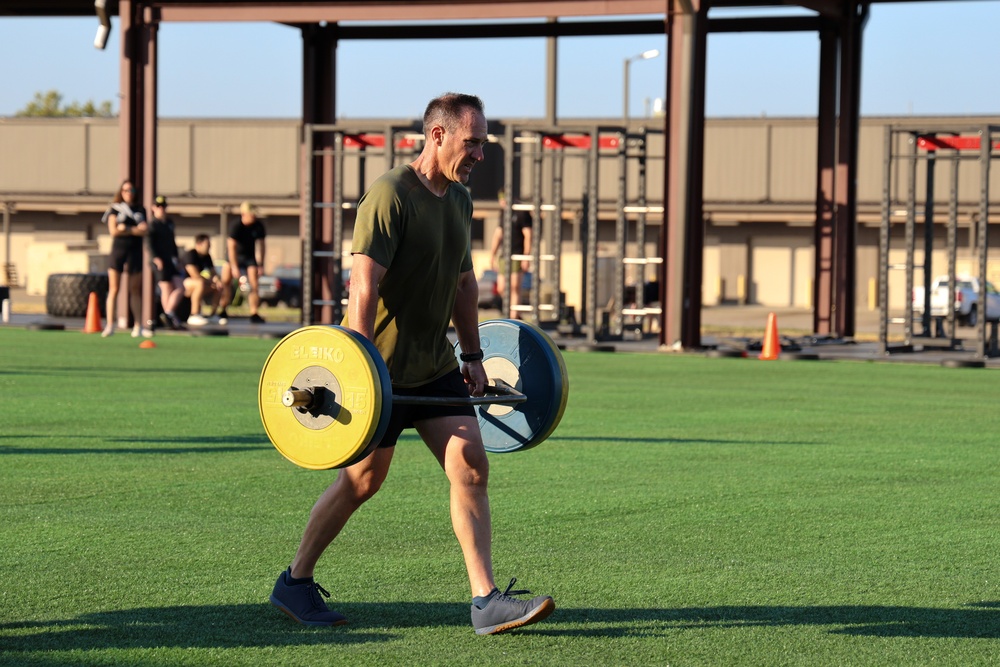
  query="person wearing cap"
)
[
  {"x": 246, "y": 237},
  {"x": 162, "y": 245}
]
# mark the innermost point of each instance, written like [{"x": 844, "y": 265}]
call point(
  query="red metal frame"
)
[
  {"x": 558, "y": 141},
  {"x": 933, "y": 142},
  {"x": 374, "y": 141}
]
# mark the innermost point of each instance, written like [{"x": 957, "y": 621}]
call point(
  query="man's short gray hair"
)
[{"x": 447, "y": 110}]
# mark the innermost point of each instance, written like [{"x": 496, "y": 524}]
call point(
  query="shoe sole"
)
[
  {"x": 539, "y": 613},
  {"x": 295, "y": 618}
]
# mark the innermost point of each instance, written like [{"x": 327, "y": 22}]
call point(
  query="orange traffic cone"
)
[
  {"x": 772, "y": 345},
  {"x": 93, "y": 323}
]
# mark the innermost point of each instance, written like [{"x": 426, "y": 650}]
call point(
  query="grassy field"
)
[{"x": 688, "y": 511}]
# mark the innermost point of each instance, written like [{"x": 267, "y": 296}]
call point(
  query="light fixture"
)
[
  {"x": 104, "y": 29},
  {"x": 645, "y": 55}
]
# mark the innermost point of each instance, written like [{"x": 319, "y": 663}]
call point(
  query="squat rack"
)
[
  {"x": 937, "y": 145},
  {"x": 537, "y": 146},
  {"x": 638, "y": 144},
  {"x": 323, "y": 225},
  {"x": 525, "y": 147}
]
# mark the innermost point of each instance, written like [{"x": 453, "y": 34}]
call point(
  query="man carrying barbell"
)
[{"x": 412, "y": 274}]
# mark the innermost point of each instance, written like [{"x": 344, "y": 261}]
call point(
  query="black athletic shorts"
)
[
  {"x": 403, "y": 416},
  {"x": 121, "y": 255},
  {"x": 167, "y": 273},
  {"x": 243, "y": 261}
]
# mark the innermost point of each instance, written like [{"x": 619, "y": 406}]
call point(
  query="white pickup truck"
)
[{"x": 967, "y": 308}]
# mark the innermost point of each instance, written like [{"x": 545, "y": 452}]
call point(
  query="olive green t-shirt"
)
[{"x": 423, "y": 242}]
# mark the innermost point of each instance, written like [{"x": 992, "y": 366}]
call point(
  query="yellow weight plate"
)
[{"x": 352, "y": 393}]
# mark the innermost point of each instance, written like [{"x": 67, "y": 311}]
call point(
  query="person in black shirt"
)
[
  {"x": 246, "y": 236},
  {"x": 520, "y": 244},
  {"x": 163, "y": 250},
  {"x": 126, "y": 221},
  {"x": 202, "y": 282}
]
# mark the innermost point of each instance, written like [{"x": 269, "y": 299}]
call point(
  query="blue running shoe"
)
[{"x": 303, "y": 602}]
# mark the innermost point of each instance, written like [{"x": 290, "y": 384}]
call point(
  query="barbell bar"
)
[
  {"x": 325, "y": 393},
  {"x": 497, "y": 393}
]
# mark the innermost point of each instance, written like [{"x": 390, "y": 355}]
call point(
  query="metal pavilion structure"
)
[{"x": 839, "y": 25}]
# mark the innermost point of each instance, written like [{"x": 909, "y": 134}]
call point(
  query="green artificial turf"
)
[{"x": 687, "y": 511}]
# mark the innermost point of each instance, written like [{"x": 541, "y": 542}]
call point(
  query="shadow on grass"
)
[
  {"x": 614, "y": 439},
  {"x": 978, "y": 620},
  {"x": 192, "y": 445},
  {"x": 217, "y": 626},
  {"x": 94, "y": 372},
  {"x": 261, "y": 625}
]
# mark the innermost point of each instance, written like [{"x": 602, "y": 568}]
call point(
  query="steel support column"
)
[
  {"x": 320, "y": 259},
  {"x": 683, "y": 239},
  {"x": 130, "y": 86},
  {"x": 846, "y": 185},
  {"x": 835, "y": 273},
  {"x": 826, "y": 159},
  {"x": 137, "y": 125},
  {"x": 148, "y": 33}
]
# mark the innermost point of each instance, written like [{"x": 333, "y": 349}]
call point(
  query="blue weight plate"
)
[{"x": 524, "y": 357}]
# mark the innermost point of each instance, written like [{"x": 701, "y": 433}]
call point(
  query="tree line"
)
[{"x": 50, "y": 105}]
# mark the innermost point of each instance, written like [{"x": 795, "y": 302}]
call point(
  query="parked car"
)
[
  {"x": 489, "y": 295},
  {"x": 282, "y": 285},
  {"x": 966, "y": 305}
]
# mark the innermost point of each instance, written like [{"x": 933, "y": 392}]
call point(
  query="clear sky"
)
[{"x": 920, "y": 58}]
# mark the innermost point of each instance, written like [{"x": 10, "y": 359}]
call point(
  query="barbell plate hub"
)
[
  {"x": 323, "y": 408},
  {"x": 349, "y": 421}
]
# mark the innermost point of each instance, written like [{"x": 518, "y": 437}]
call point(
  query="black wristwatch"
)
[{"x": 471, "y": 356}]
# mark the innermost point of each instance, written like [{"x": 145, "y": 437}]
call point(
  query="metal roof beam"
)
[
  {"x": 483, "y": 30},
  {"x": 766, "y": 24},
  {"x": 399, "y": 10}
]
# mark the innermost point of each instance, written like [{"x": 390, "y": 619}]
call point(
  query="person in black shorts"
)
[
  {"x": 520, "y": 244},
  {"x": 163, "y": 250},
  {"x": 246, "y": 236},
  {"x": 202, "y": 282},
  {"x": 127, "y": 225},
  {"x": 412, "y": 274}
]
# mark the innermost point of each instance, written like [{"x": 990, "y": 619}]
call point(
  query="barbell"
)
[{"x": 325, "y": 395}]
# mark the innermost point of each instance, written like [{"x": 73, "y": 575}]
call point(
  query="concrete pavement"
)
[{"x": 726, "y": 331}]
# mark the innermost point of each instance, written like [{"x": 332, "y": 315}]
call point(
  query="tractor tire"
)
[{"x": 68, "y": 294}]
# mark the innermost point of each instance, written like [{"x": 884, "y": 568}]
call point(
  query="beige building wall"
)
[{"x": 58, "y": 175}]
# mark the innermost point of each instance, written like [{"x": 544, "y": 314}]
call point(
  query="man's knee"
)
[
  {"x": 470, "y": 467},
  {"x": 358, "y": 489}
]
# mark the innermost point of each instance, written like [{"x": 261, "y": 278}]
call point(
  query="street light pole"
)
[{"x": 645, "y": 55}]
